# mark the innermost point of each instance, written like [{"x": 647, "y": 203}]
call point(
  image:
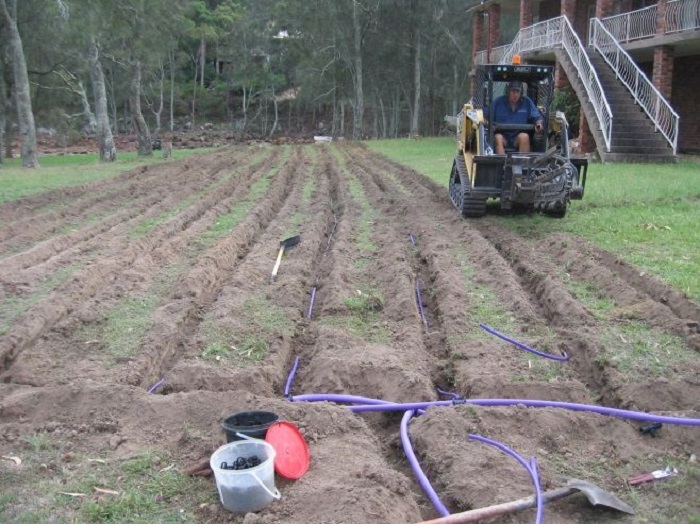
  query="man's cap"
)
[{"x": 515, "y": 84}]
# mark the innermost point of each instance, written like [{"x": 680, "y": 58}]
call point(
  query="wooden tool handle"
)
[{"x": 277, "y": 265}]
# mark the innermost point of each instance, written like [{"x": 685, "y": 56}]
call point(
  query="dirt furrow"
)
[
  {"x": 120, "y": 253},
  {"x": 23, "y": 233},
  {"x": 177, "y": 319},
  {"x": 244, "y": 326}
]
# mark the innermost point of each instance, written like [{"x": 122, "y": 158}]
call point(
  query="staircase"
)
[
  {"x": 633, "y": 137},
  {"x": 628, "y": 117}
]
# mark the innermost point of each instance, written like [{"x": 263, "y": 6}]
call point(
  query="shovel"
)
[
  {"x": 287, "y": 243},
  {"x": 595, "y": 495}
]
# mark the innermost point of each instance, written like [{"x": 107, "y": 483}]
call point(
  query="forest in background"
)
[{"x": 353, "y": 68}]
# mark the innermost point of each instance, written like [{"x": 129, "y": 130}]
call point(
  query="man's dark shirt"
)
[{"x": 525, "y": 113}]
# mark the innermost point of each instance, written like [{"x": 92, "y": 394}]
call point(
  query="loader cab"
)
[{"x": 538, "y": 85}]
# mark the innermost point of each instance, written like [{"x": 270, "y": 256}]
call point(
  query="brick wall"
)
[
  {"x": 525, "y": 13},
  {"x": 549, "y": 9},
  {"x": 686, "y": 102},
  {"x": 662, "y": 75}
]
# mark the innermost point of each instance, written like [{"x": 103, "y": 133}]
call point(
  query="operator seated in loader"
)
[{"x": 515, "y": 108}]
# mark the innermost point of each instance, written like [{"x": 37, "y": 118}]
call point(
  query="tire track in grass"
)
[
  {"x": 120, "y": 252},
  {"x": 477, "y": 363},
  {"x": 177, "y": 319}
]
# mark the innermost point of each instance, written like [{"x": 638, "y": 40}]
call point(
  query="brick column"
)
[
  {"x": 585, "y": 137},
  {"x": 661, "y": 18},
  {"x": 477, "y": 45},
  {"x": 561, "y": 81},
  {"x": 525, "y": 13},
  {"x": 494, "y": 26},
  {"x": 662, "y": 76},
  {"x": 568, "y": 9},
  {"x": 603, "y": 8}
]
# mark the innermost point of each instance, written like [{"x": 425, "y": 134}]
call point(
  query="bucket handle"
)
[{"x": 275, "y": 495}]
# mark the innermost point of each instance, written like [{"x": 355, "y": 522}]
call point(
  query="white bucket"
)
[{"x": 249, "y": 489}]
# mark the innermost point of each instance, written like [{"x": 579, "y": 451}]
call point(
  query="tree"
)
[
  {"x": 25, "y": 116},
  {"x": 105, "y": 140}
]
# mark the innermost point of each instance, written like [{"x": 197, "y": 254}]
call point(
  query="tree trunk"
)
[
  {"x": 359, "y": 105},
  {"x": 415, "y": 121},
  {"x": 203, "y": 60},
  {"x": 342, "y": 118},
  {"x": 88, "y": 116},
  {"x": 455, "y": 89},
  {"x": 3, "y": 110},
  {"x": 274, "y": 124},
  {"x": 137, "y": 120},
  {"x": 171, "y": 56},
  {"x": 25, "y": 117},
  {"x": 105, "y": 141},
  {"x": 381, "y": 107}
]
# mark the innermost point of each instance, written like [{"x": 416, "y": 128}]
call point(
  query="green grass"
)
[
  {"x": 69, "y": 170},
  {"x": 263, "y": 322},
  {"x": 645, "y": 213},
  {"x": 641, "y": 352},
  {"x": 127, "y": 322}
]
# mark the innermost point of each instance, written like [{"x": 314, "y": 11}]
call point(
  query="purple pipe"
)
[
  {"x": 156, "y": 385},
  {"x": 538, "y": 489},
  {"x": 493, "y": 402},
  {"x": 413, "y": 461},
  {"x": 290, "y": 378},
  {"x": 520, "y": 345},
  {"x": 311, "y": 304},
  {"x": 412, "y": 238},
  {"x": 454, "y": 396},
  {"x": 332, "y": 397},
  {"x": 421, "y": 310},
  {"x": 530, "y": 468}
]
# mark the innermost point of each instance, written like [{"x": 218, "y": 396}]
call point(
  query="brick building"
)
[{"x": 634, "y": 65}]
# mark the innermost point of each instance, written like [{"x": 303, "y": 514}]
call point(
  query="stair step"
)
[
  {"x": 640, "y": 150},
  {"x": 640, "y": 157}
]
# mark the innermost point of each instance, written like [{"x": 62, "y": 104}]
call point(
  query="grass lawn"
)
[{"x": 646, "y": 213}]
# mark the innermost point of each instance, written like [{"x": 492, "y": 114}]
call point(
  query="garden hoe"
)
[
  {"x": 287, "y": 243},
  {"x": 595, "y": 495}
]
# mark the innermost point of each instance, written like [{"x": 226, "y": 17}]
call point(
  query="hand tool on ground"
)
[
  {"x": 596, "y": 496},
  {"x": 643, "y": 478},
  {"x": 287, "y": 243}
]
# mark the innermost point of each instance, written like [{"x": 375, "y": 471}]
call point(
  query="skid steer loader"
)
[{"x": 545, "y": 179}]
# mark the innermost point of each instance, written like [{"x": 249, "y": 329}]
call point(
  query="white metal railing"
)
[
  {"x": 483, "y": 57},
  {"x": 680, "y": 15},
  {"x": 645, "y": 94},
  {"x": 558, "y": 33}
]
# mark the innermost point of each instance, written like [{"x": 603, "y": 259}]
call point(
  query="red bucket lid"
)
[{"x": 293, "y": 457}]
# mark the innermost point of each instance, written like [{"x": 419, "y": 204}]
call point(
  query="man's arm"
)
[{"x": 536, "y": 116}]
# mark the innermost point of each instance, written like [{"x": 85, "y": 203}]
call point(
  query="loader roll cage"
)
[{"x": 538, "y": 82}]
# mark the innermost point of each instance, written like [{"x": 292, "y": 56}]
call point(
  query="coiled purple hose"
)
[{"x": 524, "y": 347}]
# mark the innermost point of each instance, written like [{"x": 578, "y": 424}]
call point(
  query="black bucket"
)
[{"x": 250, "y": 423}]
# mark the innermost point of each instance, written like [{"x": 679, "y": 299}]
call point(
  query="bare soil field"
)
[{"x": 163, "y": 273}]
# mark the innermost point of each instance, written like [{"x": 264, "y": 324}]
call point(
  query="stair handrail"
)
[
  {"x": 648, "y": 97},
  {"x": 558, "y": 32}
]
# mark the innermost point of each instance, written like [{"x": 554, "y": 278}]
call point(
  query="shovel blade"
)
[
  {"x": 290, "y": 242},
  {"x": 599, "y": 497}
]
